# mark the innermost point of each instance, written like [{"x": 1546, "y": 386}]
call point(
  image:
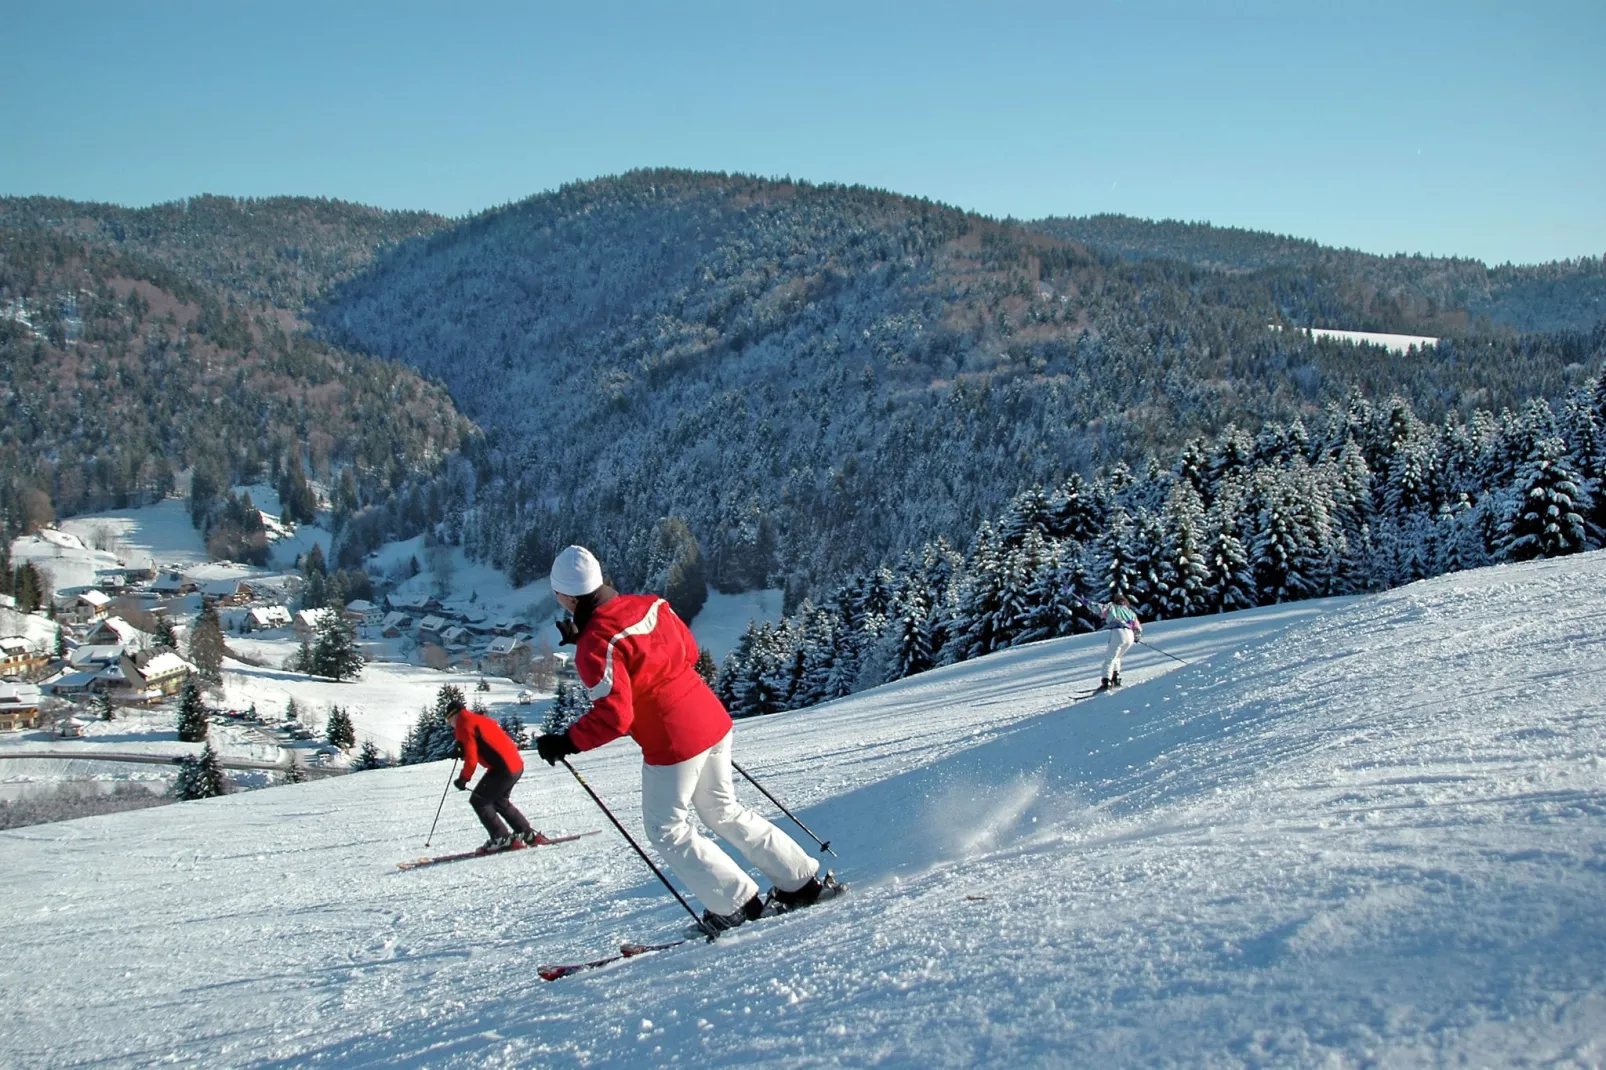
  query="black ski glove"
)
[
  {"x": 461, "y": 783},
  {"x": 568, "y": 631},
  {"x": 555, "y": 745}
]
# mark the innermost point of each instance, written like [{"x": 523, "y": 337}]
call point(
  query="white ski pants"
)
[
  {"x": 1120, "y": 643},
  {"x": 668, "y": 795}
]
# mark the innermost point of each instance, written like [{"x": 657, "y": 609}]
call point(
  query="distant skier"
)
[
  {"x": 483, "y": 742},
  {"x": 1118, "y": 618},
  {"x": 638, "y": 661}
]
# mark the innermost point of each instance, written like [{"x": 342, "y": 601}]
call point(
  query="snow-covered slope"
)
[{"x": 1359, "y": 833}]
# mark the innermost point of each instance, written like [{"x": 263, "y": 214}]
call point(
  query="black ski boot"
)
[
  {"x": 751, "y": 910},
  {"x": 817, "y": 890},
  {"x": 1115, "y": 679},
  {"x": 1104, "y": 684},
  {"x": 495, "y": 843}
]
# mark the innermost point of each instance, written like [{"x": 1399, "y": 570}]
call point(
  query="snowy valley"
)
[{"x": 1361, "y": 831}]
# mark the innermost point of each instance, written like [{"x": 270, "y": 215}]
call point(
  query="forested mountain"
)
[
  {"x": 1314, "y": 283},
  {"x": 811, "y": 379},
  {"x": 1363, "y": 498},
  {"x": 281, "y": 250},
  {"x": 137, "y": 344}
]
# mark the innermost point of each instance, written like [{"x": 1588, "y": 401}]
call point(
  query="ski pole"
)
[
  {"x": 825, "y": 845},
  {"x": 451, "y": 776},
  {"x": 701, "y": 924},
  {"x": 1157, "y": 650}
]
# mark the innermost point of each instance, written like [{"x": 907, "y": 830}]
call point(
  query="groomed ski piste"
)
[{"x": 1356, "y": 832}]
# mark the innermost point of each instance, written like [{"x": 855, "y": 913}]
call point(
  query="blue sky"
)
[{"x": 1470, "y": 128}]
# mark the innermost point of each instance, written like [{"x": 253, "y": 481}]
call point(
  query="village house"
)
[
  {"x": 455, "y": 636},
  {"x": 19, "y": 707},
  {"x": 500, "y": 654},
  {"x": 395, "y": 625},
  {"x": 415, "y": 604},
  {"x": 89, "y": 606},
  {"x": 72, "y": 683},
  {"x": 115, "y": 631},
  {"x": 112, "y": 582},
  {"x": 430, "y": 628},
  {"x": 267, "y": 618},
  {"x": 171, "y": 584},
  {"x": 17, "y": 658},
  {"x": 364, "y": 613},
  {"x": 165, "y": 674},
  {"x": 505, "y": 626},
  {"x": 308, "y": 620},
  {"x": 226, "y": 594}
]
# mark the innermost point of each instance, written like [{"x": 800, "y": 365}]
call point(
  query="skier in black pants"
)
[{"x": 484, "y": 743}]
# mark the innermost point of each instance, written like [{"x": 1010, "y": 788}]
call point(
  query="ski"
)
[
  {"x": 463, "y": 856},
  {"x": 629, "y": 951},
  {"x": 626, "y": 951}
]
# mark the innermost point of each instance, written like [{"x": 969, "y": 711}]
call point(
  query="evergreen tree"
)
[
  {"x": 166, "y": 637},
  {"x": 206, "y": 644},
  {"x": 705, "y": 666},
  {"x": 103, "y": 707},
  {"x": 368, "y": 758},
  {"x": 514, "y": 726},
  {"x": 292, "y": 712},
  {"x": 200, "y": 777},
  {"x": 1118, "y": 550},
  {"x": 1187, "y": 572},
  {"x": 191, "y": 714},
  {"x": 1546, "y": 516},
  {"x": 339, "y": 731},
  {"x": 335, "y": 654},
  {"x": 295, "y": 772},
  {"x": 569, "y": 705}
]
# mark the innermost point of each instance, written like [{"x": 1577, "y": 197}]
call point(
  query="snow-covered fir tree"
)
[
  {"x": 1547, "y": 513},
  {"x": 191, "y": 714},
  {"x": 200, "y": 776}
]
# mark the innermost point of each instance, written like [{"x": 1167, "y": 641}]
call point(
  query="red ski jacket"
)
[
  {"x": 484, "y": 743},
  {"x": 638, "y": 661}
]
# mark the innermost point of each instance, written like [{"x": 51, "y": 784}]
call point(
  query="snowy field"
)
[
  {"x": 1394, "y": 343},
  {"x": 1369, "y": 832},
  {"x": 383, "y": 703}
]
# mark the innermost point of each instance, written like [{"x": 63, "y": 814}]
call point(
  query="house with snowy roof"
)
[
  {"x": 307, "y": 621},
  {"x": 92, "y": 657},
  {"x": 17, "y": 657},
  {"x": 502, "y": 652},
  {"x": 395, "y": 625},
  {"x": 171, "y": 584},
  {"x": 19, "y": 707},
  {"x": 72, "y": 682},
  {"x": 267, "y": 618},
  {"x": 89, "y": 606},
  {"x": 455, "y": 636},
  {"x": 163, "y": 673},
  {"x": 115, "y": 631},
  {"x": 226, "y": 593},
  {"x": 430, "y": 628},
  {"x": 364, "y": 613},
  {"x": 415, "y": 604}
]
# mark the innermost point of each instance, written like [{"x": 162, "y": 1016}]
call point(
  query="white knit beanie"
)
[{"x": 575, "y": 572}]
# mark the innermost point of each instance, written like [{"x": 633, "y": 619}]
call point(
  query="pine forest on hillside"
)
[
  {"x": 1370, "y": 498},
  {"x": 815, "y": 379},
  {"x": 727, "y": 380},
  {"x": 139, "y": 345}
]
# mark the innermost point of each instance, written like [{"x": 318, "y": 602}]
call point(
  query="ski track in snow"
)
[{"x": 1356, "y": 832}]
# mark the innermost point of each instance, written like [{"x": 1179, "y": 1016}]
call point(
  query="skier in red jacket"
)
[
  {"x": 484, "y": 743},
  {"x": 637, "y": 659}
]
